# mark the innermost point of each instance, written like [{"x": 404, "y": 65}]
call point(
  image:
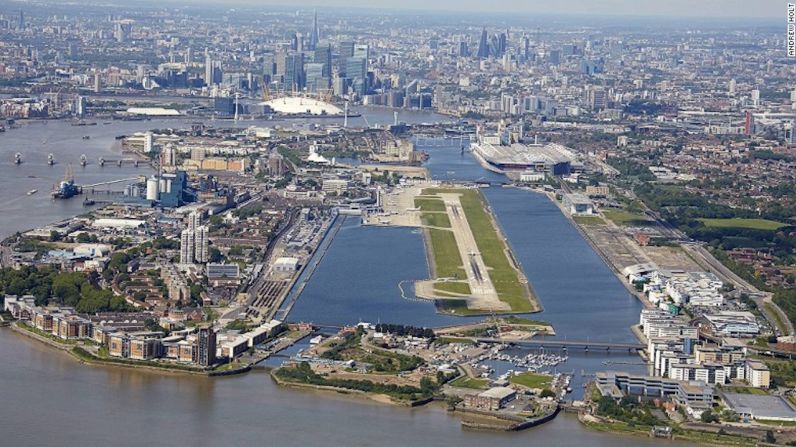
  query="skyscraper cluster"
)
[{"x": 495, "y": 47}]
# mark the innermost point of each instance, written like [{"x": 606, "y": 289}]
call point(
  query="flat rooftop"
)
[
  {"x": 517, "y": 153},
  {"x": 498, "y": 392},
  {"x": 760, "y": 406}
]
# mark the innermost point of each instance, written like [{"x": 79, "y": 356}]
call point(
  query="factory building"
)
[{"x": 172, "y": 188}]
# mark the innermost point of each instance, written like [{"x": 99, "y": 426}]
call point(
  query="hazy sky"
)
[{"x": 682, "y": 8}]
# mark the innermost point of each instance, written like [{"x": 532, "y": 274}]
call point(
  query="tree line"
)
[
  {"x": 403, "y": 331},
  {"x": 51, "y": 286}
]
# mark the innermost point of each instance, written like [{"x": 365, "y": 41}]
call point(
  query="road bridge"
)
[
  {"x": 552, "y": 343},
  {"x": 567, "y": 344}
]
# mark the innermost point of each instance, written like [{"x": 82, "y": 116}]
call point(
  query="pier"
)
[
  {"x": 551, "y": 343},
  {"x": 568, "y": 344},
  {"x": 303, "y": 277},
  {"x": 119, "y": 161}
]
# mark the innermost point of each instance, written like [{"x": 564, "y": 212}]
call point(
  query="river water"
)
[
  {"x": 36, "y": 139},
  {"x": 48, "y": 399},
  {"x": 359, "y": 277}
]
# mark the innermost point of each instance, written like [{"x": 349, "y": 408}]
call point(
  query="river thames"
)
[
  {"x": 359, "y": 277},
  {"x": 49, "y": 399},
  {"x": 36, "y": 139}
]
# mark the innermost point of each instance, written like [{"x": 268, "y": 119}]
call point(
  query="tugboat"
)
[
  {"x": 18, "y": 158},
  {"x": 50, "y": 159},
  {"x": 83, "y": 160}
]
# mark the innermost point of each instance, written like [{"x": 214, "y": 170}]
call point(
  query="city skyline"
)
[
  {"x": 767, "y": 9},
  {"x": 505, "y": 212}
]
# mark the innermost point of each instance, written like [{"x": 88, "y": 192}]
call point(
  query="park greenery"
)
[
  {"x": 248, "y": 211},
  {"x": 238, "y": 325},
  {"x": 382, "y": 360},
  {"x": 51, "y": 286},
  {"x": 628, "y": 410},
  {"x": 625, "y": 217},
  {"x": 767, "y": 226},
  {"x": 303, "y": 373},
  {"x": 752, "y": 224},
  {"x": 531, "y": 380},
  {"x": 783, "y": 372},
  {"x": 290, "y": 155},
  {"x": 473, "y": 383}
]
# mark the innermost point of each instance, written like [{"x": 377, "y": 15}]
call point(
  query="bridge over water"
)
[
  {"x": 555, "y": 343},
  {"x": 552, "y": 343}
]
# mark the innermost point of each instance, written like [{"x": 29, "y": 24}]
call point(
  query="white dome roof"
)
[{"x": 296, "y": 105}]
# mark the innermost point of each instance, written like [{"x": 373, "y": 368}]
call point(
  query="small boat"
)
[
  {"x": 86, "y": 137},
  {"x": 32, "y": 191}
]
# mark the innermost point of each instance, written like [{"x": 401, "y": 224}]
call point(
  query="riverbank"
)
[
  {"x": 285, "y": 302},
  {"x": 615, "y": 269},
  {"x": 484, "y": 420},
  {"x": 234, "y": 411},
  {"x": 470, "y": 418},
  {"x": 515, "y": 328},
  {"x": 376, "y": 397},
  {"x": 79, "y": 353},
  {"x": 618, "y": 428}
]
